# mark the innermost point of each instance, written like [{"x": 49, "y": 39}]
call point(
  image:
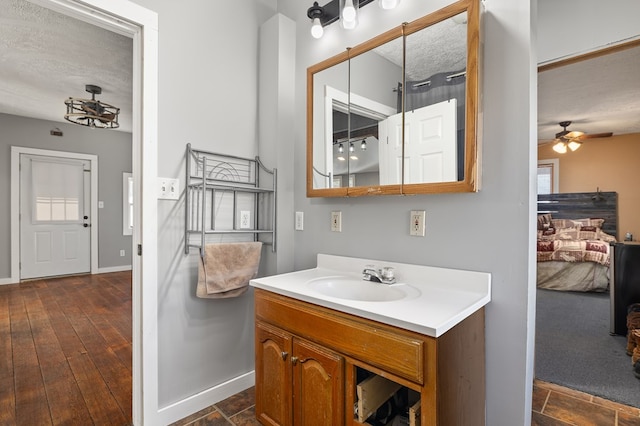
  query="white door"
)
[
  {"x": 390, "y": 149},
  {"x": 54, "y": 216},
  {"x": 430, "y": 144}
]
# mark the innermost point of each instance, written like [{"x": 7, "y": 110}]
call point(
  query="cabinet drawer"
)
[{"x": 390, "y": 348}]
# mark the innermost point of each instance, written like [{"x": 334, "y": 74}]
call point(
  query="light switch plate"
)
[
  {"x": 336, "y": 221},
  {"x": 416, "y": 223},
  {"x": 168, "y": 189},
  {"x": 299, "y": 221}
]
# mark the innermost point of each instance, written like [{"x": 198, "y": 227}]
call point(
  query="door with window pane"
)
[{"x": 54, "y": 216}]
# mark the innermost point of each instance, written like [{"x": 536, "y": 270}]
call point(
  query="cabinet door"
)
[
  {"x": 318, "y": 385},
  {"x": 273, "y": 375}
]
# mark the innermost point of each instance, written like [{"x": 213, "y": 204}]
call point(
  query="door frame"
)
[
  {"x": 141, "y": 24},
  {"x": 16, "y": 151}
]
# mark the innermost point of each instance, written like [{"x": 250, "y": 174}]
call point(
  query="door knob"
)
[
  {"x": 294, "y": 360},
  {"x": 86, "y": 217},
  {"x": 86, "y": 225},
  {"x": 284, "y": 355}
]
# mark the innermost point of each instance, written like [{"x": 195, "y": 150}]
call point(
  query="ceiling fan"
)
[
  {"x": 572, "y": 139},
  {"x": 92, "y": 112}
]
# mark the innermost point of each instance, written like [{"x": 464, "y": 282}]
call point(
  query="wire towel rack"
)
[{"x": 209, "y": 176}]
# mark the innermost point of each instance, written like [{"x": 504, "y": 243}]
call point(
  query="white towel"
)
[{"x": 226, "y": 268}]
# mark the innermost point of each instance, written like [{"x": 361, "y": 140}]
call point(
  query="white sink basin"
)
[{"x": 344, "y": 287}]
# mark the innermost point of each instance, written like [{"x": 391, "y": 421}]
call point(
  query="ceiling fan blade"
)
[
  {"x": 573, "y": 135},
  {"x": 594, "y": 136}
]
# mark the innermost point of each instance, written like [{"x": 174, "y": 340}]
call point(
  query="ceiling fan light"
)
[
  {"x": 560, "y": 148},
  {"x": 573, "y": 145}
]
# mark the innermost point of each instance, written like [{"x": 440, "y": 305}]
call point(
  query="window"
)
[
  {"x": 127, "y": 204},
  {"x": 57, "y": 188},
  {"x": 548, "y": 176}
]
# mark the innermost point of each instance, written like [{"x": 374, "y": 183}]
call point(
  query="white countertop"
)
[{"x": 446, "y": 296}]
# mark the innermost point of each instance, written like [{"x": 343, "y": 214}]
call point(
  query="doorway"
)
[{"x": 141, "y": 25}]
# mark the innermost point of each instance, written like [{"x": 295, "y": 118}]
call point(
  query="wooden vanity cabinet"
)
[
  {"x": 308, "y": 356},
  {"x": 301, "y": 383}
]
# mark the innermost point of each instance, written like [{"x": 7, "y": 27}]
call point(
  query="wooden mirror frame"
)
[{"x": 472, "y": 106}]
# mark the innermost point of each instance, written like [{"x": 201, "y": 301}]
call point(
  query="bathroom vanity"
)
[{"x": 334, "y": 349}]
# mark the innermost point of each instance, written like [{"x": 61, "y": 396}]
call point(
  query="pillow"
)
[{"x": 571, "y": 223}]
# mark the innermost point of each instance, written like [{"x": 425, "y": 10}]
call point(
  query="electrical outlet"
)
[
  {"x": 336, "y": 221},
  {"x": 299, "y": 221},
  {"x": 245, "y": 219},
  {"x": 416, "y": 223},
  {"x": 121, "y": 253}
]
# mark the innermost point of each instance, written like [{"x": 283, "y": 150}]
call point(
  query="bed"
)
[{"x": 575, "y": 233}]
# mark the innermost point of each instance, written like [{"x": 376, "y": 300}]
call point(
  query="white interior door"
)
[
  {"x": 430, "y": 144},
  {"x": 390, "y": 149},
  {"x": 55, "y": 195}
]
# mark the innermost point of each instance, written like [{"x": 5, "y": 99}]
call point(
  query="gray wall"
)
[
  {"x": 208, "y": 96},
  {"x": 465, "y": 231},
  {"x": 113, "y": 149}
]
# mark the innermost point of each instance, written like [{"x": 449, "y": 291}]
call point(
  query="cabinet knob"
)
[
  {"x": 294, "y": 360},
  {"x": 284, "y": 355}
]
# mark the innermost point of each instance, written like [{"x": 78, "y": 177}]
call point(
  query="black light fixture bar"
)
[{"x": 331, "y": 11}]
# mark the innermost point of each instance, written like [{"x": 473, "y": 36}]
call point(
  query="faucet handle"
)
[
  {"x": 370, "y": 267},
  {"x": 387, "y": 272}
]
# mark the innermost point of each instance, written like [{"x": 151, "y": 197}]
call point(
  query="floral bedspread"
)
[{"x": 574, "y": 251}]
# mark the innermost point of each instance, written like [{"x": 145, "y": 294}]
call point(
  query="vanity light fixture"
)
[
  {"x": 363, "y": 145},
  {"x": 314, "y": 13},
  {"x": 351, "y": 148},
  {"x": 344, "y": 10},
  {"x": 340, "y": 148},
  {"x": 388, "y": 4},
  {"x": 349, "y": 14}
]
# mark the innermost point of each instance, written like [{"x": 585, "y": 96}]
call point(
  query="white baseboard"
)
[
  {"x": 114, "y": 269},
  {"x": 5, "y": 281},
  {"x": 197, "y": 402}
]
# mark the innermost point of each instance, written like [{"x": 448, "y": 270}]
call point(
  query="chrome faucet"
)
[{"x": 384, "y": 275}]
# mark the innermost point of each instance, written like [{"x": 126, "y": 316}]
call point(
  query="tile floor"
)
[
  {"x": 236, "y": 410},
  {"x": 553, "y": 405}
]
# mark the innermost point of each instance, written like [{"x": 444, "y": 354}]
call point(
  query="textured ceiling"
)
[
  {"x": 46, "y": 57},
  {"x": 598, "y": 95}
]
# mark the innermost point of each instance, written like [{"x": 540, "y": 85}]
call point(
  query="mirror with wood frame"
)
[{"x": 398, "y": 114}]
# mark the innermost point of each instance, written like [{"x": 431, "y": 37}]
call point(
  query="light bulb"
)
[
  {"x": 351, "y": 148},
  {"x": 560, "y": 148},
  {"x": 388, "y": 4},
  {"x": 573, "y": 145},
  {"x": 363, "y": 145},
  {"x": 349, "y": 15},
  {"x": 316, "y": 28},
  {"x": 340, "y": 149}
]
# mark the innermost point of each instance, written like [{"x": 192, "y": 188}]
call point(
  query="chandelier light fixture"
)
[
  {"x": 92, "y": 112},
  {"x": 345, "y": 11}
]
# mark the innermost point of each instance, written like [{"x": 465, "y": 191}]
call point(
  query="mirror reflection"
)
[
  {"x": 434, "y": 113},
  {"x": 383, "y": 126}
]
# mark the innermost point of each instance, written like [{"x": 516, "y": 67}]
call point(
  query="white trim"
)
[
  {"x": 114, "y": 269},
  {"x": 130, "y": 19},
  {"x": 126, "y": 230},
  {"x": 16, "y": 151},
  {"x": 6, "y": 281},
  {"x": 207, "y": 397}
]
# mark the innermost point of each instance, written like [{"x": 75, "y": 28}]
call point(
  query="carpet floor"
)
[{"x": 574, "y": 347}]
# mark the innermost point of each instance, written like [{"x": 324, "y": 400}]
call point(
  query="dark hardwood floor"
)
[{"x": 65, "y": 351}]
